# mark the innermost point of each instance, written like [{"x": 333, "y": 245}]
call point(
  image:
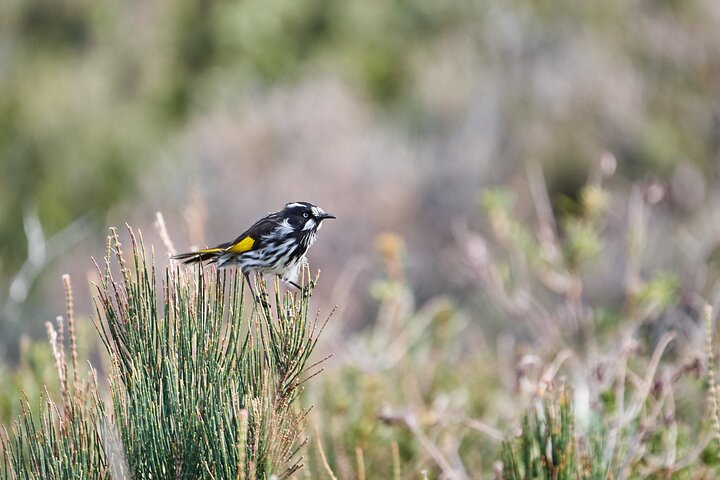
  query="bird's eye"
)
[{"x": 305, "y": 215}]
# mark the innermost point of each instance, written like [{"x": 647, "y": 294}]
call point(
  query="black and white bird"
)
[{"x": 275, "y": 244}]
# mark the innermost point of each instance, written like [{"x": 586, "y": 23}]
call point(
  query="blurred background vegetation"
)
[{"x": 397, "y": 116}]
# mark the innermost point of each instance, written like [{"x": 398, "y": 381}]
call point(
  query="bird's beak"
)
[{"x": 326, "y": 215}]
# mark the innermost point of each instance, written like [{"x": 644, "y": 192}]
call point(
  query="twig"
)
[
  {"x": 396, "y": 460},
  {"x": 647, "y": 384},
  {"x": 483, "y": 427},
  {"x": 551, "y": 370},
  {"x": 712, "y": 385},
  {"x": 543, "y": 210},
  {"x": 242, "y": 445},
  {"x": 71, "y": 329},
  {"x": 53, "y": 339},
  {"x": 323, "y": 459},
  {"x": 40, "y": 252},
  {"x": 408, "y": 421},
  {"x": 637, "y": 232},
  {"x": 164, "y": 236},
  {"x": 360, "y": 463}
]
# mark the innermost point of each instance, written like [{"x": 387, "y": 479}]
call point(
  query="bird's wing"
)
[
  {"x": 244, "y": 245},
  {"x": 252, "y": 238}
]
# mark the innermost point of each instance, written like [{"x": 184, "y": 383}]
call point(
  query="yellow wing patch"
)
[{"x": 242, "y": 246}]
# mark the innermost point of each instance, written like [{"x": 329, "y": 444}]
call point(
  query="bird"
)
[{"x": 275, "y": 244}]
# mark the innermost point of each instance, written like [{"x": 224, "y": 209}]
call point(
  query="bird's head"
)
[{"x": 305, "y": 216}]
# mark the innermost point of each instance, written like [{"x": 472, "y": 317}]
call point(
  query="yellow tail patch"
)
[
  {"x": 210, "y": 250},
  {"x": 242, "y": 246}
]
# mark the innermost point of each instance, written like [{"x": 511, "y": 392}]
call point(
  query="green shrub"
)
[
  {"x": 548, "y": 447},
  {"x": 202, "y": 385}
]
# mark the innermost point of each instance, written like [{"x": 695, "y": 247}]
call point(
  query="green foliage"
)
[
  {"x": 661, "y": 292},
  {"x": 28, "y": 379},
  {"x": 204, "y": 386},
  {"x": 201, "y": 386},
  {"x": 548, "y": 447},
  {"x": 67, "y": 442},
  {"x": 636, "y": 358},
  {"x": 416, "y": 379}
]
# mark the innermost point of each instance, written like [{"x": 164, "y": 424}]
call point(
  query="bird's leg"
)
[
  {"x": 256, "y": 297},
  {"x": 247, "y": 279},
  {"x": 305, "y": 290}
]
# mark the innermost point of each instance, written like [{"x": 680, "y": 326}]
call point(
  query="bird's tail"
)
[{"x": 199, "y": 256}]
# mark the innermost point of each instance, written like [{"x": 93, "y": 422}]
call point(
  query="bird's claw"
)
[
  {"x": 262, "y": 300},
  {"x": 305, "y": 290}
]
